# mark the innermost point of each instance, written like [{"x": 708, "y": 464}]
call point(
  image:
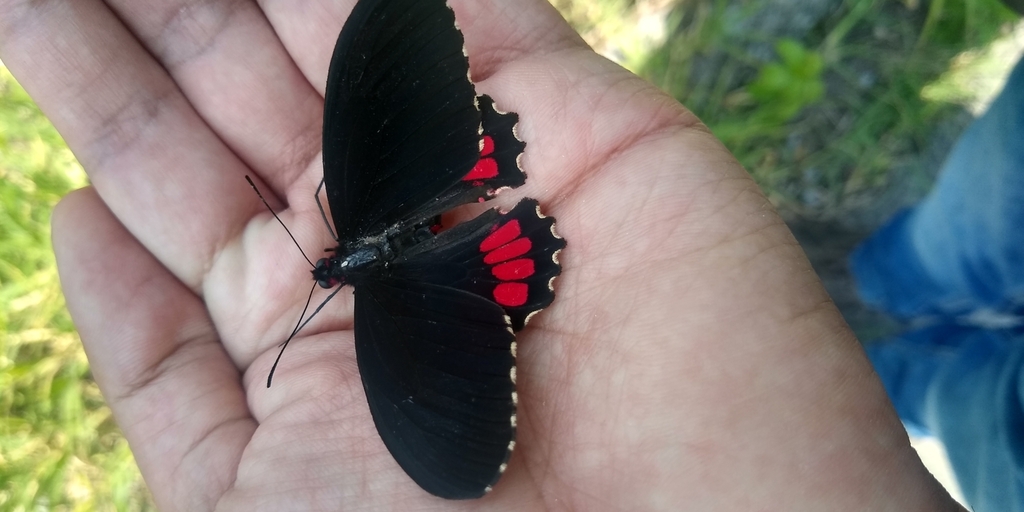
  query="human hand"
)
[{"x": 691, "y": 358}]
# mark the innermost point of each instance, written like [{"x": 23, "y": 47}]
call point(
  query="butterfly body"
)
[
  {"x": 367, "y": 256},
  {"x": 406, "y": 138}
]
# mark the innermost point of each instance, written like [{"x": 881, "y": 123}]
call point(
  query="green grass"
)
[{"x": 59, "y": 446}]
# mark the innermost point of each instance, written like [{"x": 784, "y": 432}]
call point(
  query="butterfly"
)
[{"x": 406, "y": 139}]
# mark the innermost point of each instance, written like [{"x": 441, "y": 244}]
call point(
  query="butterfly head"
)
[{"x": 326, "y": 273}]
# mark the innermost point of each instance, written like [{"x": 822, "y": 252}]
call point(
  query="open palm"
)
[{"x": 691, "y": 357}]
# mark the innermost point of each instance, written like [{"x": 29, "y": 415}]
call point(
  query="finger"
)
[
  {"x": 161, "y": 170},
  {"x": 308, "y": 30},
  {"x": 496, "y": 31},
  {"x": 155, "y": 356},
  {"x": 234, "y": 71},
  {"x": 499, "y": 32}
]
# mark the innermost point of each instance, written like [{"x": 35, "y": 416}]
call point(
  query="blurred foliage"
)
[
  {"x": 825, "y": 115},
  {"x": 784, "y": 88},
  {"x": 975, "y": 76},
  {"x": 779, "y": 92},
  {"x": 59, "y": 446}
]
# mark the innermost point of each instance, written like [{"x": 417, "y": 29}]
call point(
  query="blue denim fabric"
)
[
  {"x": 958, "y": 252},
  {"x": 962, "y": 248},
  {"x": 964, "y": 385}
]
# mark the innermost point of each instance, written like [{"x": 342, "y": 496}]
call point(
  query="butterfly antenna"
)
[
  {"x": 299, "y": 326},
  {"x": 322, "y": 214},
  {"x": 253, "y": 185},
  {"x": 301, "y": 316},
  {"x": 295, "y": 331}
]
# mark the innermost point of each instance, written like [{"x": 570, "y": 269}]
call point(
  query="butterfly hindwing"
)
[
  {"x": 508, "y": 258},
  {"x": 401, "y": 125},
  {"x": 437, "y": 365}
]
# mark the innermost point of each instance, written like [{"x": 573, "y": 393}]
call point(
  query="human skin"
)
[{"x": 691, "y": 359}]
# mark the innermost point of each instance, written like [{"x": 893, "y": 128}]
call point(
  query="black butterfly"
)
[{"x": 405, "y": 139}]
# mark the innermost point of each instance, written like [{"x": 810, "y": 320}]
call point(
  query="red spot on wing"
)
[
  {"x": 501, "y": 236},
  {"x": 485, "y": 168},
  {"x": 511, "y": 294},
  {"x": 503, "y": 249},
  {"x": 513, "y": 270},
  {"x": 508, "y": 251}
]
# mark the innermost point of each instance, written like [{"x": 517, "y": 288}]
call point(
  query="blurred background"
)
[{"x": 842, "y": 110}]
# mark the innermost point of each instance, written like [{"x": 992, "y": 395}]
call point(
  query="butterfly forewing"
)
[
  {"x": 401, "y": 126},
  {"x": 436, "y": 364},
  {"x": 498, "y": 166}
]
